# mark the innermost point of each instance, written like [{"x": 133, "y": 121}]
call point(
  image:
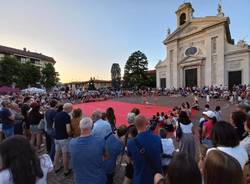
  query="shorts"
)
[
  {"x": 35, "y": 130},
  {"x": 62, "y": 145},
  {"x": 8, "y": 132},
  {"x": 1, "y": 127}
]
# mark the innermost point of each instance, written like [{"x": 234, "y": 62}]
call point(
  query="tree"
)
[
  {"x": 151, "y": 81},
  {"x": 9, "y": 70},
  {"x": 49, "y": 76},
  {"x": 91, "y": 85},
  {"x": 135, "y": 75},
  {"x": 116, "y": 76},
  {"x": 29, "y": 74}
]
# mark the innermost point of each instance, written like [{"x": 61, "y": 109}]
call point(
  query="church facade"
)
[{"x": 201, "y": 52}]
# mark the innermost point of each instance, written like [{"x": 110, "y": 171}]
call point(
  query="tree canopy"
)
[
  {"x": 25, "y": 74},
  {"x": 49, "y": 76},
  {"x": 116, "y": 76},
  {"x": 135, "y": 75},
  {"x": 9, "y": 70}
]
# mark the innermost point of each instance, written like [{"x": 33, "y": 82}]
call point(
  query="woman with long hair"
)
[
  {"x": 184, "y": 134},
  {"x": 111, "y": 117},
  {"x": 75, "y": 121},
  {"x": 20, "y": 164},
  {"x": 237, "y": 120},
  {"x": 34, "y": 118},
  {"x": 221, "y": 168},
  {"x": 183, "y": 170}
]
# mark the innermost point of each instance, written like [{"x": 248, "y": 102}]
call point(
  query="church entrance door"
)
[
  {"x": 163, "y": 83},
  {"x": 234, "y": 78},
  {"x": 191, "y": 77}
]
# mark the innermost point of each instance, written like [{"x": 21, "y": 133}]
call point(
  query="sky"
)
[{"x": 86, "y": 36}]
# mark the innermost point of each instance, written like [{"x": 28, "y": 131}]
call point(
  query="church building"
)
[{"x": 201, "y": 52}]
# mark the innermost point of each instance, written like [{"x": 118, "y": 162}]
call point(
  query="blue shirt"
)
[
  {"x": 114, "y": 147},
  {"x": 87, "y": 159},
  {"x": 143, "y": 171},
  {"x": 101, "y": 128},
  {"x": 5, "y": 118}
]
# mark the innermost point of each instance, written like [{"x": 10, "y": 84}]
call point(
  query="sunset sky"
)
[{"x": 86, "y": 36}]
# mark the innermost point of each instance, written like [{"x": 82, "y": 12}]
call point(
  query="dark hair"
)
[
  {"x": 169, "y": 128},
  {"x": 248, "y": 122},
  {"x": 183, "y": 118},
  {"x": 26, "y": 99},
  {"x": 188, "y": 105},
  {"x": 53, "y": 103},
  {"x": 130, "y": 131},
  {"x": 162, "y": 133},
  {"x": 166, "y": 116},
  {"x": 222, "y": 168},
  {"x": 239, "y": 118},
  {"x": 207, "y": 106},
  {"x": 111, "y": 117},
  {"x": 60, "y": 108},
  {"x": 20, "y": 158},
  {"x": 104, "y": 116},
  {"x": 183, "y": 169},
  {"x": 122, "y": 130},
  {"x": 136, "y": 111},
  {"x": 217, "y": 108},
  {"x": 77, "y": 113},
  {"x": 224, "y": 134}
]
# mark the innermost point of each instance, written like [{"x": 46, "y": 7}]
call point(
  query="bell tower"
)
[{"x": 184, "y": 14}]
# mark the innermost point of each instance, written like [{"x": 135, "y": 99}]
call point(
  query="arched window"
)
[{"x": 182, "y": 19}]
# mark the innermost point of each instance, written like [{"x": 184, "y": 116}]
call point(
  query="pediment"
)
[
  {"x": 189, "y": 59},
  {"x": 194, "y": 26},
  {"x": 161, "y": 64}
]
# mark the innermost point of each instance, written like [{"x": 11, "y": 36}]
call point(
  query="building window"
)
[
  {"x": 183, "y": 19},
  {"x": 214, "y": 45}
]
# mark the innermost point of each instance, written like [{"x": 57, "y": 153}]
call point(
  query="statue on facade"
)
[{"x": 219, "y": 9}]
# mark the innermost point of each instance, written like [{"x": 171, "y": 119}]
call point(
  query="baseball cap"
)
[{"x": 209, "y": 114}]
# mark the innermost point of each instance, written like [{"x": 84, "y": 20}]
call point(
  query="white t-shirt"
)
[
  {"x": 168, "y": 149},
  {"x": 46, "y": 165},
  {"x": 245, "y": 143},
  {"x": 238, "y": 152},
  {"x": 187, "y": 129}
]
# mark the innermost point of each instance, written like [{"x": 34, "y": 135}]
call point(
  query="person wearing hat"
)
[{"x": 207, "y": 127}]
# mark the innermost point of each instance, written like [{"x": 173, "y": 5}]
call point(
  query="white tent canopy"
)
[{"x": 33, "y": 90}]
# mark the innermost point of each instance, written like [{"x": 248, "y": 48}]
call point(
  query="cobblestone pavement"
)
[{"x": 167, "y": 101}]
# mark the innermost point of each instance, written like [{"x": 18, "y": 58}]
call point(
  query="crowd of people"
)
[{"x": 40, "y": 134}]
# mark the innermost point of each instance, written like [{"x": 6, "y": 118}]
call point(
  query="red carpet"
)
[{"x": 121, "y": 109}]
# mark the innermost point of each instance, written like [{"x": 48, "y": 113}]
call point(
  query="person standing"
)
[
  {"x": 87, "y": 155},
  {"x": 75, "y": 121},
  {"x": 34, "y": 118},
  {"x": 7, "y": 119},
  {"x": 101, "y": 127},
  {"x": 145, "y": 151},
  {"x": 186, "y": 138},
  {"x": 62, "y": 132},
  {"x": 49, "y": 117}
]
